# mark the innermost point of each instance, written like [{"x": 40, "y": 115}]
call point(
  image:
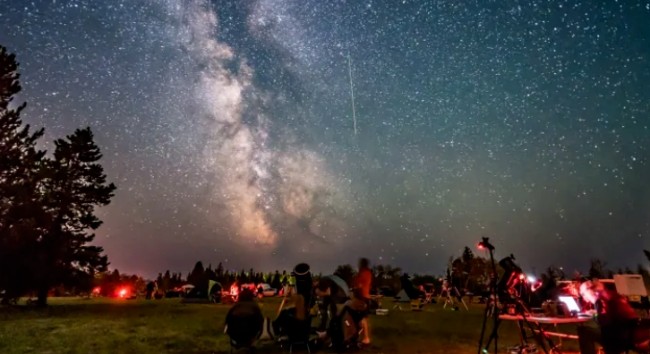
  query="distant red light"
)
[
  {"x": 97, "y": 290},
  {"x": 122, "y": 293},
  {"x": 480, "y": 246}
]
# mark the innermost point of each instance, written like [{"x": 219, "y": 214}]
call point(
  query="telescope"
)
[
  {"x": 512, "y": 276},
  {"x": 302, "y": 274}
]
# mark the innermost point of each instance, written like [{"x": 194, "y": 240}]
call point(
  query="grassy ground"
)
[{"x": 168, "y": 326}]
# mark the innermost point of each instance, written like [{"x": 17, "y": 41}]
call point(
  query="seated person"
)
[
  {"x": 619, "y": 327},
  {"x": 292, "y": 319},
  {"x": 244, "y": 321},
  {"x": 331, "y": 295}
]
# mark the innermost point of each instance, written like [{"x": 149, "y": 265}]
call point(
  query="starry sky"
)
[{"x": 230, "y": 129}]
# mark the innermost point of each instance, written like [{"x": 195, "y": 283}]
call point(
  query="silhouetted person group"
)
[{"x": 343, "y": 312}]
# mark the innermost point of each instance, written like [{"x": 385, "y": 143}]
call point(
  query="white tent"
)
[{"x": 402, "y": 296}]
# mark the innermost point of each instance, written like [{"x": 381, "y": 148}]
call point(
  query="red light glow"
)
[
  {"x": 122, "y": 293},
  {"x": 234, "y": 290}
]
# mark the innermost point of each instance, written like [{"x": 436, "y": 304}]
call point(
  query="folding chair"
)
[
  {"x": 417, "y": 305},
  {"x": 428, "y": 298}
]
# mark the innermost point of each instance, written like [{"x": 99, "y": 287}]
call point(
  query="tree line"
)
[
  {"x": 467, "y": 272},
  {"x": 47, "y": 202}
]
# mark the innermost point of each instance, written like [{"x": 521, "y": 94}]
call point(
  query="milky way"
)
[{"x": 228, "y": 127}]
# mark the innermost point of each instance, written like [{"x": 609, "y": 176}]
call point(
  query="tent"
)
[
  {"x": 402, "y": 296},
  {"x": 409, "y": 289},
  {"x": 211, "y": 284},
  {"x": 195, "y": 295},
  {"x": 341, "y": 284}
]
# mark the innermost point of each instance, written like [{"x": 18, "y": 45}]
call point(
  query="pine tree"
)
[
  {"x": 166, "y": 283},
  {"x": 468, "y": 255},
  {"x": 597, "y": 269},
  {"x": 219, "y": 271},
  {"x": 345, "y": 272},
  {"x": 198, "y": 278},
  {"x": 75, "y": 186},
  {"x": 242, "y": 278},
  {"x": 21, "y": 213}
]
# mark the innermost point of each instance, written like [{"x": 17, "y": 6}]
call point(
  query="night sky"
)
[{"x": 228, "y": 127}]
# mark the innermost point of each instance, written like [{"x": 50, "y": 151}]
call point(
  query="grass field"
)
[{"x": 73, "y": 325}]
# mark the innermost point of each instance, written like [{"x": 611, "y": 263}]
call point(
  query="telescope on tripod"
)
[
  {"x": 451, "y": 293},
  {"x": 505, "y": 296}
]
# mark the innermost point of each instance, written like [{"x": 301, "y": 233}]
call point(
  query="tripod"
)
[
  {"x": 450, "y": 293},
  {"x": 492, "y": 310}
]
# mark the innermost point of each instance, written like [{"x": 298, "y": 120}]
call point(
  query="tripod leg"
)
[
  {"x": 464, "y": 304},
  {"x": 536, "y": 328},
  {"x": 494, "y": 336},
  {"x": 539, "y": 335},
  {"x": 486, "y": 315}
]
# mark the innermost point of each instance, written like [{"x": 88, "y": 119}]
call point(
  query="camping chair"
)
[
  {"x": 298, "y": 335},
  {"x": 428, "y": 298},
  {"x": 345, "y": 329}
]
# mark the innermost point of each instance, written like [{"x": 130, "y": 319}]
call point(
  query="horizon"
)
[{"x": 271, "y": 132}]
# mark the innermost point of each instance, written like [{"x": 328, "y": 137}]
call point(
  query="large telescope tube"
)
[{"x": 301, "y": 272}]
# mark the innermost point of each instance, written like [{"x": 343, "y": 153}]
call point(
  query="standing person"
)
[
  {"x": 363, "y": 284},
  {"x": 151, "y": 288}
]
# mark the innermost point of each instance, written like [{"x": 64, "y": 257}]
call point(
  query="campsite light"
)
[
  {"x": 532, "y": 279},
  {"x": 97, "y": 290},
  {"x": 122, "y": 292},
  {"x": 234, "y": 290}
]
